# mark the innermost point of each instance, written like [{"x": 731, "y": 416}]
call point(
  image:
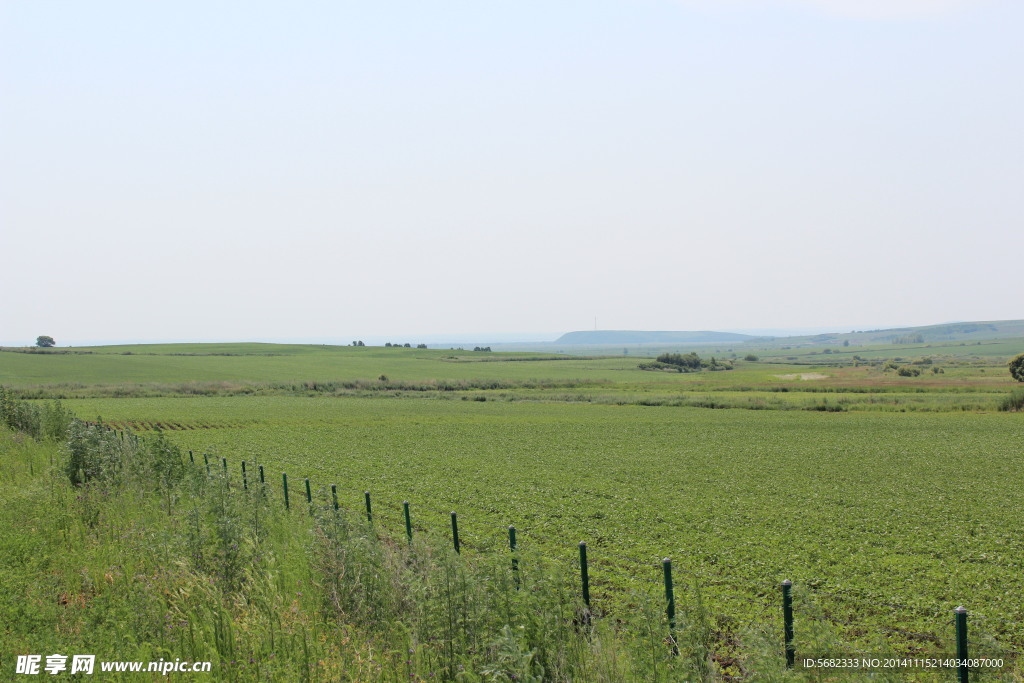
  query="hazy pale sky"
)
[{"x": 340, "y": 170}]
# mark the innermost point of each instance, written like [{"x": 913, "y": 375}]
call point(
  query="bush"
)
[
  {"x": 908, "y": 371},
  {"x": 750, "y": 357},
  {"x": 49, "y": 421},
  {"x": 656, "y": 365},
  {"x": 689, "y": 361},
  {"x": 1014, "y": 402}
]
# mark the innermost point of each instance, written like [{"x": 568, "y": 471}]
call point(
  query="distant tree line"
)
[{"x": 481, "y": 348}]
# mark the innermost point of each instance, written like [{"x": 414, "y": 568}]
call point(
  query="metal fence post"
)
[
  {"x": 512, "y": 548},
  {"x": 369, "y": 510},
  {"x": 670, "y": 603},
  {"x": 408, "y": 520},
  {"x": 455, "y": 533},
  {"x": 284, "y": 480},
  {"x": 584, "y": 575},
  {"x": 787, "y": 619},
  {"x": 963, "y": 670}
]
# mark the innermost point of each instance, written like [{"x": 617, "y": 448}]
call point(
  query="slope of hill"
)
[{"x": 946, "y": 332}]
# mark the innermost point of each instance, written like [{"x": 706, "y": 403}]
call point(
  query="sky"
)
[{"x": 202, "y": 171}]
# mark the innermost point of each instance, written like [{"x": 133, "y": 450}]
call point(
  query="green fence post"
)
[
  {"x": 408, "y": 520},
  {"x": 585, "y": 576},
  {"x": 309, "y": 494},
  {"x": 787, "y": 619},
  {"x": 512, "y": 548},
  {"x": 369, "y": 510},
  {"x": 963, "y": 670},
  {"x": 191, "y": 458},
  {"x": 262, "y": 479},
  {"x": 224, "y": 462},
  {"x": 455, "y": 533},
  {"x": 245, "y": 479},
  {"x": 670, "y": 603},
  {"x": 284, "y": 482},
  {"x": 334, "y": 495},
  {"x": 206, "y": 459}
]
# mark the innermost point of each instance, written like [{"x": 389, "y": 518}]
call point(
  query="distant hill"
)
[
  {"x": 946, "y": 332},
  {"x": 645, "y": 337}
]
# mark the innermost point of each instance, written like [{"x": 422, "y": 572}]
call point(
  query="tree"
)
[
  {"x": 1017, "y": 368},
  {"x": 45, "y": 342},
  {"x": 685, "y": 363}
]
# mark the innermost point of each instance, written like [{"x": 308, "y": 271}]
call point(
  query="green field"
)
[
  {"x": 957, "y": 379},
  {"x": 892, "y": 510}
]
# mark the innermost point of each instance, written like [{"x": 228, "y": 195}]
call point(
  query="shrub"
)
[
  {"x": 750, "y": 357},
  {"x": 1014, "y": 402},
  {"x": 689, "y": 361},
  {"x": 908, "y": 371}
]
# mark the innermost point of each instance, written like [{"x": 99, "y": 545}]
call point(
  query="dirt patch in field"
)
[{"x": 803, "y": 375}]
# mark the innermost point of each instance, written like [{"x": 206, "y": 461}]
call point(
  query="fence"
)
[{"x": 786, "y": 624}]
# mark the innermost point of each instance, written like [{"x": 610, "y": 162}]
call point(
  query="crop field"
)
[
  {"x": 892, "y": 519},
  {"x": 888, "y": 500}
]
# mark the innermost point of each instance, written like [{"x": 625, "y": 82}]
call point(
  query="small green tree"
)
[
  {"x": 1017, "y": 367},
  {"x": 45, "y": 342}
]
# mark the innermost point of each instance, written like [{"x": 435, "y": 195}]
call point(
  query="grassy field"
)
[
  {"x": 889, "y": 499},
  {"x": 834, "y": 381}
]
